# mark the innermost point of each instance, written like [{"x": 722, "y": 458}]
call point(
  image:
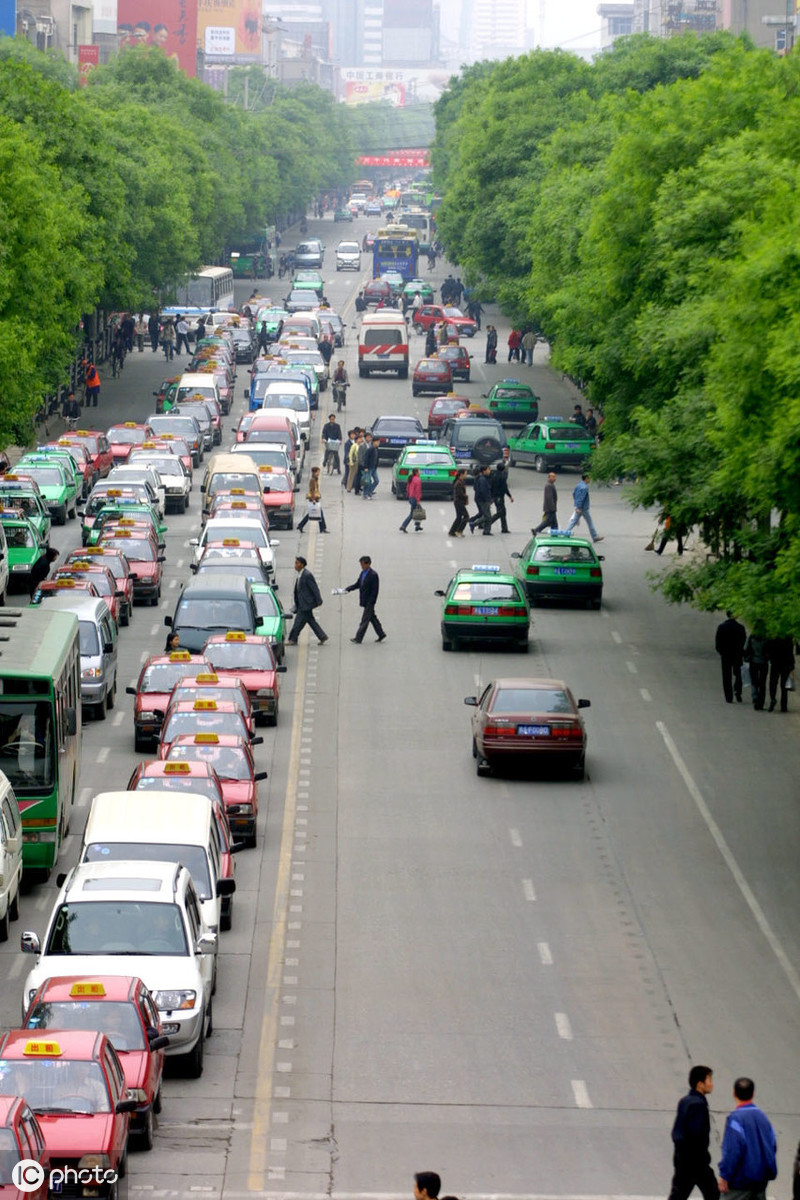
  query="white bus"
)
[
  {"x": 208, "y": 290},
  {"x": 422, "y": 223}
]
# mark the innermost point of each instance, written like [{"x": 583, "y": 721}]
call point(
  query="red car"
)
[
  {"x": 208, "y": 685},
  {"x": 528, "y": 720},
  {"x": 443, "y": 407},
  {"x": 122, "y": 438},
  {"x": 232, "y": 759},
  {"x": 376, "y": 291},
  {"x": 202, "y": 716},
  {"x": 101, "y": 577},
  {"x": 121, "y": 1007},
  {"x": 227, "y": 504},
  {"x": 251, "y": 659},
  {"x": 431, "y": 375},
  {"x": 119, "y": 567},
  {"x": 459, "y": 359},
  {"x": 56, "y": 587},
  {"x": 74, "y": 1082},
  {"x": 158, "y": 677},
  {"x": 166, "y": 391},
  {"x": 277, "y": 497},
  {"x": 96, "y": 443},
  {"x": 21, "y": 1138},
  {"x": 141, "y": 551},
  {"x": 431, "y": 314}
]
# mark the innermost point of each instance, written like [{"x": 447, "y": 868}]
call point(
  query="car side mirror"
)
[
  {"x": 126, "y": 1106},
  {"x": 439, "y": 592},
  {"x": 259, "y": 776},
  {"x": 206, "y": 943},
  {"x": 280, "y": 670},
  {"x": 516, "y": 554},
  {"x": 601, "y": 558},
  {"x": 472, "y": 701},
  {"x": 226, "y": 887},
  {"x": 161, "y": 558},
  {"x": 192, "y": 566},
  {"x": 159, "y": 1042},
  {"x": 130, "y": 691},
  {"x": 168, "y": 622},
  {"x": 584, "y": 704},
  {"x": 235, "y": 847},
  {"x": 29, "y": 942},
  {"x": 256, "y": 740},
  {"x": 61, "y": 878}
]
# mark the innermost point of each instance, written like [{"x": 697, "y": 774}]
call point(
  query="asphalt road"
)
[{"x": 503, "y": 980}]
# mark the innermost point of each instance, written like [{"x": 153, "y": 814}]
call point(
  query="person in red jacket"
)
[
  {"x": 514, "y": 344},
  {"x": 414, "y": 496},
  {"x": 92, "y": 381}
]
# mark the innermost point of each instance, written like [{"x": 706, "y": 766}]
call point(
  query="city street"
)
[{"x": 503, "y": 980}]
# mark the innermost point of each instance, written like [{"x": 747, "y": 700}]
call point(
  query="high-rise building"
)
[{"x": 493, "y": 28}]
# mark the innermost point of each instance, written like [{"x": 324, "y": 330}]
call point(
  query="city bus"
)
[
  {"x": 422, "y": 222},
  {"x": 395, "y": 252},
  {"x": 208, "y": 290},
  {"x": 40, "y": 726}
]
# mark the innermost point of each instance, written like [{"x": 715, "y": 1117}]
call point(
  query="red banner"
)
[
  {"x": 396, "y": 158},
  {"x": 88, "y": 59},
  {"x": 170, "y": 24}
]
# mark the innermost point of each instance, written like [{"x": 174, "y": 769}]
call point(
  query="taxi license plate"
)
[
  {"x": 428, "y": 474},
  {"x": 484, "y": 611},
  {"x": 564, "y": 571},
  {"x": 571, "y": 446},
  {"x": 397, "y": 441},
  {"x": 534, "y": 730}
]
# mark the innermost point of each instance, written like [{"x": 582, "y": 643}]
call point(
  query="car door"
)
[
  {"x": 529, "y": 440},
  {"x": 155, "y": 1065},
  {"x": 205, "y": 962},
  {"x": 115, "y": 1079},
  {"x": 12, "y": 835}
]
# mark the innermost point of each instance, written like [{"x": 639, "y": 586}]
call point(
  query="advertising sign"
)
[
  {"x": 88, "y": 59},
  {"x": 227, "y": 28},
  {"x": 170, "y": 24},
  {"x": 399, "y": 86},
  {"x": 8, "y": 17}
]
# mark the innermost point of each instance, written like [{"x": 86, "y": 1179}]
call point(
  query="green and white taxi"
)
[
  {"x": 549, "y": 443},
  {"x": 512, "y": 402},
  {"x": 24, "y": 494},
  {"x": 484, "y": 604},
  {"x": 436, "y": 465},
  {"x": 25, "y": 547},
  {"x": 271, "y": 618},
  {"x": 556, "y": 566},
  {"x": 58, "y": 488}
]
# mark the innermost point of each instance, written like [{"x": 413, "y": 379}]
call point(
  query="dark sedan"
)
[{"x": 393, "y": 434}]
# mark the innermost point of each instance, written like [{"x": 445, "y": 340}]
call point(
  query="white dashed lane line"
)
[
  {"x": 545, "y": 954},
  {"x": 617, "y": 637},
  {"x": 581, "y": 1094},
  {"x": 643, "y": 692},
  {"x": 514, "y": 834},
  {"x": 528, "y": 889},
  {"x": 563, "y": 1027}
]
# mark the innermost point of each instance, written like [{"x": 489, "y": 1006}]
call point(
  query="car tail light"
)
[
  {"x": 451, "y": 610},
  {"x": 505, "y": 452},
  {"x": 531, "y": 570},
  {"x": 549, "y": 445},
  {"x": 511, "y": 610},
  {"x": 499, "y": 729},
  {"x": 452, "y": 471},
  {"x": 595, "y": 573},
  {"x": 567, "y": 733},
  {"x": 403, "y": 471}
]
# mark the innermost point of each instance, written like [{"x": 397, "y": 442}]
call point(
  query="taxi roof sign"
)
[
  {"x": 87, "y": 989},
  {"x": 230, "y": 541},
  {"x": 205, "y": 706},
  {"x": 206, "y": 739},
  {"x": 235, "y": 635},
  {"x": 42, "y": 1049},
  {"x": 488, "y": 567},
  {"x": 177, "y": 768},
  {"x": 237, "y": 492},
  {"x": 130, "y": 425},
  {"x": 180, "y": 656},
  {"x": 207, "y": 677}
]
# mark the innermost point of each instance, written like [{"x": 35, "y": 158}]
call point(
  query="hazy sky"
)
[{"x": 573, "y": 24}]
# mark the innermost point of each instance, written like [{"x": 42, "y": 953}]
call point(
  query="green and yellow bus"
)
[{"x": 40, "y": 726}]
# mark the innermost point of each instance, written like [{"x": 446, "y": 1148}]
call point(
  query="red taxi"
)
[
  {"x": 431, "y": 375},
  {"x": 232, "y": 759},
  {"x": 21, "y": 1138},
  {"x": 122, "y": 438},
  {"x": 96, "y": 443},
  {"x": 101, "y": 577},
  {"x": 209, "y": 685},
  {"x": 167, "y": 388},
  {"x": 250, "y": 659},
  {"x": 202, "y": 716},
  {"x": 245, "y": 421},
  {"x": 74, "y": 1082},
  {"x": 228, "y": 503},
  {"x": 443, "y": 407},
  {"x": 121, "y": 1007},
  {"x": 277, "y": 496},
  {"x": 459, "y": 359},
  {"x": 158, "y": 677},
  {"x": 433, "y": 314},
  {"x": 141, "y": 551},
  {"x": 118, "y": 565}
]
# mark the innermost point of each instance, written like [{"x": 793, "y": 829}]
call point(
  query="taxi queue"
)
[{"x": 82, "y": 1076}]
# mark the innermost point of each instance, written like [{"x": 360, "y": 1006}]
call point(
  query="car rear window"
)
[
  {"x": 520, "y": 393},
  {"x": 384, "y": 428},
  {"x": 531, "y": 700},
  {"x": 471, "y": 592},
  {"x": 382, "y": 337},
  {"x": 467, "y": 433},
  {"x": 563, "y": 554},
  {"x": 573, "y": 434}
]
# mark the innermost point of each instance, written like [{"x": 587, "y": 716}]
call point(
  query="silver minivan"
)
[
  {"x": 98, "y": 648},
  {"x": 348, "y": 256}
]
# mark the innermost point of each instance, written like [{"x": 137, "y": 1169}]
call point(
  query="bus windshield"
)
[{"x": 27, "y": 750}]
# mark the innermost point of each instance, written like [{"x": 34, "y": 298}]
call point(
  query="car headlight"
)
[
  {"x": 92, "y": 673},
  {"x": 91, "y": 1162},
  {"x": 175, "y": 1001}
]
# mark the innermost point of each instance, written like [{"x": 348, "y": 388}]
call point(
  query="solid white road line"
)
[{"x": 516, "y": 840}]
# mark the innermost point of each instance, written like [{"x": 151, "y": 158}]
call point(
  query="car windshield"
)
[
  {"x": 168, "y": 465},
  {"x": 56, "y": 1084},
  {"x": 27, "y": 750},
  {"x": 136, "y": 549},
  {"x": 515, "y": 393},
  {"x": 199, "y": 784},
  {"x": 224, "y": 481},
  {"x": 575, "y": 433},
  {"x": 195, "y": 389},
  {"x": 117, "y": 927},
  {"x": 204, "y": 721},
  {"x": 264, "y": 435},
  {"x": 563, "y": 554},
  {"x": 223, "y": 692},
  {"x": 230, "y": 762},
  {"x": 452, "y": 312},
  {"x": 117, "y": 1019},
  {"x": 20, "y": 537},
  {"x": 448, "y": 406},
  {"x": 275, "y": 399},
  {"x": 182, "y": 425},
  {"x": 98, "y": 578},
  {"x": 401, "y": 428},
  {"x": 192, "y": 857},
  {"x": 162, "y": 677},
  {"x": 44, "y": 476},
  {"x": 549, "y": 700},
  {"x": 277, "y": 483},
  {"x": 218, "y": 532},
  {"x": 27, "y": 504},
  {"x": 213, "y": 614},
  {"x": 247, "y": 656},
  {"x": 126, "y": 437},
  {"x": 9, "y": 1156},
  {"x": 481, "y": 592}
]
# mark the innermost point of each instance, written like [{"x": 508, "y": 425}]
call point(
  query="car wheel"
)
[
  {"x": 210, "y": 1019},
  {"x": 540, "y": 463},
  {"x": 124, "y": 615},
  {"x": 140, "y": 744},
  {"x": 111, "y": 696},
  {"x": 226, "y": 916},
  {"x": 579, "y": 770},
  {"x": 13, "y": 906},
  {"x": 157, "y": 1101},
  {"x": 100, "y": 710},
  {"x": 145, "y": 1135},
  {"x": 250, "y": 840},
  {"x": 4, "y": 927},
  {"x": 122, "y": 1165},
  {"x": 2, "y": 599},
  {"x": 194, "y": 1059},
  {"x": 60, "y": 517},
  {"x": 596, "y": 603},
  {"x": 414, "y": 391},
  {"x": 272, "y": 718},
  {"x": 447, "y": 644},
  {"x": 474, "y": 748},
  {"x": 362, "y": 374},
  {"x": 403, "y": 373},
  {"x": 290, "y": 523},
  {"x": 73, "y": 512},
  {"x": 522, "y": 647},
  {"x": 512, "y": 462}
]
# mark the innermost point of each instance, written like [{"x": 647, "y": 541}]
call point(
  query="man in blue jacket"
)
[
  {"x": 749, "y": 1147},
  {"x": 690, "y": 1135},
  {"x": 580, "y": 498}
]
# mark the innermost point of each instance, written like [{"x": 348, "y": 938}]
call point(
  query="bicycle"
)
[{"x": 339, "y": 392}]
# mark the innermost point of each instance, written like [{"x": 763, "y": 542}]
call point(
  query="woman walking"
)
[
  {"x": 314, "y": 498},
  {"x": 460, "y": 502},
  {"x": 414, "y": 497}
]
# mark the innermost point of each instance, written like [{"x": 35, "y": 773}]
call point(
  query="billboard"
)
[
  {"x": 399, "y": 86},
  {"x": 229, "y": 28},
  {"x": 8, "y": 17},
  {"x": 170, "y": 24},
  {"x": 88, "y": 59}
]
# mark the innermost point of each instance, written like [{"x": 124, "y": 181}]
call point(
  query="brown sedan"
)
[{"x": 528, "y": 720}]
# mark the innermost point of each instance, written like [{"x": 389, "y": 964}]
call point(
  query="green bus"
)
[{"x": 40, "y": 726}]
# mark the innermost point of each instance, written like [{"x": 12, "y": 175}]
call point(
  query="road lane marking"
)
[
  {"x": 154, "y": 629},
  {"x": 545, "y": 955},
  {"x": 643, "y": 692},
  {"x": 617, "y": 637},
  {"x": 563, "y": 1027},
  {"x": 581, "y": 1094},
  {"x": 15, "y": 970},
  {"x": 102, "y": 754},
  {"x": 731, "y": 862},
  {"x": 528, "y": 889},
  {"x": 634, "y": 670},
  {"x": 516, "y": 840},
  {"x": 119, "y": 717}
]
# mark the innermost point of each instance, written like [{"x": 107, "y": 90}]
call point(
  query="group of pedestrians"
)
[
  {"x": 765, "y": 662},
  {"x": 360, "y": 454}
]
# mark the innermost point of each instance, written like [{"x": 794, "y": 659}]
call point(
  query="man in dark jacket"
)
[
  {"x": 368, "y": 585},
  {"x": 690, "y": 1135},
  {"x": 369, "y": 468},
  {"x": 483, "y": 499},
  {"x": 549, "y": 505},
  {"x": 307, "y": 597},
  {"x": 780, "y": 654},
  {"x": 729, "y": 644},
  {"x": 498, "y": 486}
]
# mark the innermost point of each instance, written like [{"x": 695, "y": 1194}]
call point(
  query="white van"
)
[
  {"x": 158, "y": 826},
  {"x": 98, "y": 641},
  {"x": 383, "y": 343},
  {"x": 10, "y": 856},
  {"x": 348, "y": 256},
  {"x": 196, "y": 383}
]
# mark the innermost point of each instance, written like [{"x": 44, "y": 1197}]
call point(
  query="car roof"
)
[
  {"x": 477, "y": 575},
  {"x": 122, "y": 880},
  {"x": 115, "y": 987},
  {"x": 202, "y": 586},
  {"x": 81, "y": 1044}
]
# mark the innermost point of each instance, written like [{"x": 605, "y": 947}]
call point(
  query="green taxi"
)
[
  {"x": 57, "y": 486},
  {"x": 308, "y": 281},
  {"x": 484, "y": 604},
  {"x": 118, "y": 514},
  {"x": 270, "y": 319},
  {"x": 556, "y": 566},
  {"x": 271, "y": 618},
  {"x": 436, "y": 465},
  {"x": 549, "y": 443},
  {"x": 25, "y": 547},
  {"x": 512, "y": 402},
  {"x": 25, "y": 495},
  {"x": 67, "y": 459},
  {"x": 418, "y": 285}
]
